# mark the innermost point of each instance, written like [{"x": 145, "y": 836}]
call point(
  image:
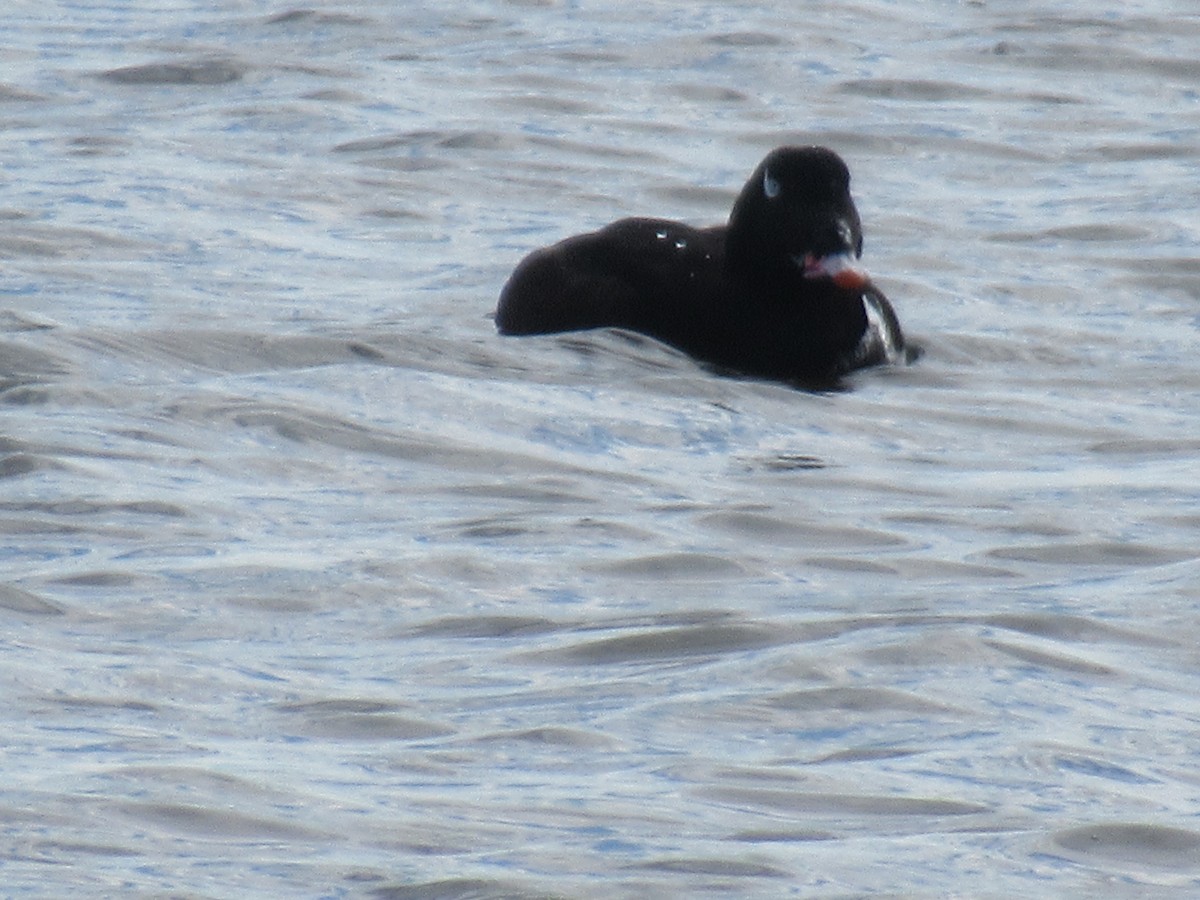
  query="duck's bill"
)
[{"x": 840, "y": 268}]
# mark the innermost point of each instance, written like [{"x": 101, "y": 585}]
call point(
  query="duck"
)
[{"x": 777, "y": 292}]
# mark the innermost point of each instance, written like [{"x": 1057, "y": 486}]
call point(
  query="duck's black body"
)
[{"x": 772, "y": 293}]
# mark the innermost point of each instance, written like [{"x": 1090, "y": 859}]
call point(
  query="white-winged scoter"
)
[{"x": 775, "y": 293}]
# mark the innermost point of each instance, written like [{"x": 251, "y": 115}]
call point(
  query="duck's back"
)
[{"x": 642, "y": 274}]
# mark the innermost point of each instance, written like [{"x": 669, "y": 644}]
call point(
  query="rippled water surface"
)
[{"x": 315, "y": 586}]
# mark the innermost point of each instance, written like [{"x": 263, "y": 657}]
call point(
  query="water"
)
[{"x": 314, "y": 586}]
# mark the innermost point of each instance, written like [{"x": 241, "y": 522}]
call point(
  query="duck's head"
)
[{"x": 795, "y": 216}]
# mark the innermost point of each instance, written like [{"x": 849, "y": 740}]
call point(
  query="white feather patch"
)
[{"x": 771, "y": 187}]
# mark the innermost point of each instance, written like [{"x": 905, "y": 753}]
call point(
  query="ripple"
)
[
  {"x": 914, "y": 89},
  {"x": 716, "y": 868},
  {"x": 319, "y": 18},
  {"x": 745, "y": 39},
  {"x": 1157, "y": 846},
  {"x": 458, "y": 889},
  {"x": 208, "y": 71},
  {"x": 859, "y": 700},
  {"x": 665, "y": 643},
  {"x": 810, "y": 803},
  {"x": 14, "y": 599},
  {"x": 674, "y": 566},
  {"x": 483, "y": 626},
  {"x": 361, "y": 720},
  {"x": 777, "y": 530},
  {"x": 1051, "y": 660},
  {"x": 11, "y": 94},
  {"x": 1100, "y": 553},
  {"x": 1098, "y": 232},
  {"x": 215, "y": 823},
  {"x": 17, "y": 465},
  {"x": 1070, "y": 628}
]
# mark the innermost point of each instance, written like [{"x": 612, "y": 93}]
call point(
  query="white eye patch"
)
[
  {"x": 845, "y": 232},
  {"x": 771, "y": 187}
]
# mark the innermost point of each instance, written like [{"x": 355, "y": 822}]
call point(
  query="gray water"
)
[{"x": 315, "y": 586}]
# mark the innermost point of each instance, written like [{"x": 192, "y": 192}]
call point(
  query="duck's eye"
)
[{"x": 771, "y": 187}]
